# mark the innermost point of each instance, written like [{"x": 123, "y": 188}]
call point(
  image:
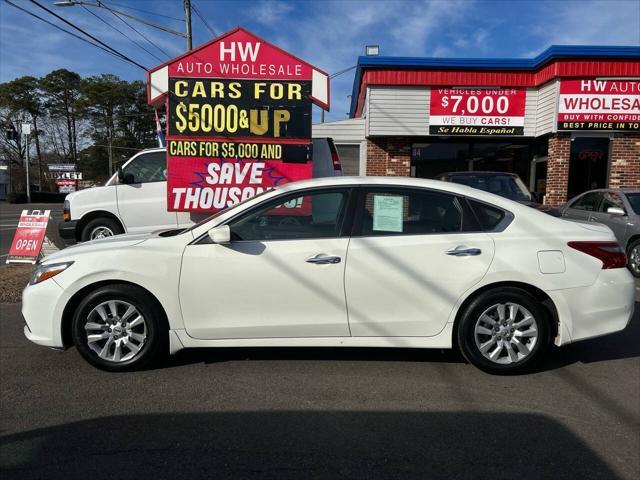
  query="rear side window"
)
[
  {"x": 589, "y": 202},
  {"x": 488, "y": 216},
  {"x": 410, "y": 212}
]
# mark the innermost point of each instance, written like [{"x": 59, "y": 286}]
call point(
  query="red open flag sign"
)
[{"x": 28, "y": 239}]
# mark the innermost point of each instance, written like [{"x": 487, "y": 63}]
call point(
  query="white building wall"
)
[
  {"x": 398, "y": 111},
  {"x": 546, "y": 108}
]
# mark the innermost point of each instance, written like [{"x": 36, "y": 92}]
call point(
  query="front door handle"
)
[
  {"x": 323, "y": 259},
  {"x": 462, "y": 251}
]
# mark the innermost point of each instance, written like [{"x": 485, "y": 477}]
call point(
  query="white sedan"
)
[{"x": 353, "y": 262}]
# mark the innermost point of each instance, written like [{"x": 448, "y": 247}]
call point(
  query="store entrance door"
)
[{"x": 588, "y": 164}]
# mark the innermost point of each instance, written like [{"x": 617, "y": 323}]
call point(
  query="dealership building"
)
[{"x": 566, "y": 121}]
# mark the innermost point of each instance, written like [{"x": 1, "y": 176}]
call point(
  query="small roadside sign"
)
[{"x": 29, "y": 237}]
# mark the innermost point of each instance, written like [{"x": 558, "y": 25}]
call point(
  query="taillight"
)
[
  {"x": 335, "y": 158},
  {"x": 66, "y": 211},
  {"x": 609, "y": 253}
]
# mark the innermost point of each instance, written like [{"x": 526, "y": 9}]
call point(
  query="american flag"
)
[{"x": 161, "y": 141}]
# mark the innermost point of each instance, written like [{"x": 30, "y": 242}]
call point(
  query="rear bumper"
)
[
  {"x": 67, "y": 231},
  {"x": 602, "y": 308}
]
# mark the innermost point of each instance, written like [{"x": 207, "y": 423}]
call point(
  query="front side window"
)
[
  {"x": 146, "y": 168},
  {"x": 318, "y": 214},
  {"x": 589, "y": 202},
  {"x": 634, "y": 200},
  {"x": 410, "y": 212}
]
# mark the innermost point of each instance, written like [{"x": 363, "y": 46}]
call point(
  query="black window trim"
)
[{"x": 345, "y": 228}]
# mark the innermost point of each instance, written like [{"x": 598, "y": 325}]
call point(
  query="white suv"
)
[{"x": 134, "y": 200}]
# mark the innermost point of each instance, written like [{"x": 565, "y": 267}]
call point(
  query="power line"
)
[
  {"x": 340, "y": 72},
  {"x": 147, "y": 11},
  {"x": 138, "y": 32},
  {"x": 122, "y": 33},
  {"x": 124, "y": 57},
  {"x": 64, "y": 30},
  {"x": 201, "y": 17}
]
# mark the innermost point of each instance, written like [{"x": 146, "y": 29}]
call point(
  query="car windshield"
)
[
  {"x": 504, "y": 185},
  {"x": 634, "y": 200},
  {"x": 225, "y": 210}
]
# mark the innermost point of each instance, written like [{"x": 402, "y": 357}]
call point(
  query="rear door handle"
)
[
  {"x": 462, "y": 251},
  {"x": 323, "y": 259}
]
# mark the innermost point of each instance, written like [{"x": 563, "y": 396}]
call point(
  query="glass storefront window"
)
[{"x": 588, "y": 164}]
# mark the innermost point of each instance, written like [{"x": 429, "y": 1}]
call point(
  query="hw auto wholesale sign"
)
[
  {"x": 238, "y": 120},
  {"x": 477, "y": 111},
  {"x": 604, "y": 105}
]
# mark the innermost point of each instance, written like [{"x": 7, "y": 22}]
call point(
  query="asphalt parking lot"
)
[{"x": 319, "y": 413}]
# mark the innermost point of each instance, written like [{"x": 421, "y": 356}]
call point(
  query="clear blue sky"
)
[{"x": 328, "y": 34}]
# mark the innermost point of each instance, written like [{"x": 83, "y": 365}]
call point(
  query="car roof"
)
[{"x": 381, "y": 181}]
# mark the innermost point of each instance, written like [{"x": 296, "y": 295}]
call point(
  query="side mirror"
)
[
  {"x": 125, "y": 178},
  {"x": 617, "y": 211},
  {"x": 220, "y": 235},
  {"x": 535, "y": 197}
]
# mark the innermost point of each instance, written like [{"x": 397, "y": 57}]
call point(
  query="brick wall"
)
[
  {"x": 558, "y": 169},
  {"x": 625, "y": 161},
  {"x": 389, "y": 157}
]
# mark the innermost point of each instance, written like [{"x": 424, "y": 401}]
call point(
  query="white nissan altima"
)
[{"x": 354, "y": 262}]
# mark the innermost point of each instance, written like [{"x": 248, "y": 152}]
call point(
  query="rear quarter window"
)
[{"x": 488, "y": 216}]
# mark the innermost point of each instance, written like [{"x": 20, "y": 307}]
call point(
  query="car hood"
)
[{"x": 119, "y": 241}]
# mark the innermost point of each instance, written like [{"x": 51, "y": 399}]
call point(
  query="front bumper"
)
[
  {"x": 600, "y": 309},
  {"x": 42, "y": 309},
  {"x": 68, "y": 231}
]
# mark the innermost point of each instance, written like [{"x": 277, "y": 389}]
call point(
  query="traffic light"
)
[{"x": 12, "y": 134}]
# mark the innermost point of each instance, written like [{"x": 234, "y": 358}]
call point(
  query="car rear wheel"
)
[
  {"x": 633, "y": 258},
  {"x": 504, "y": 331},
  {"x": 101, "y": 227},
  {"x": 118, "y": 328}
]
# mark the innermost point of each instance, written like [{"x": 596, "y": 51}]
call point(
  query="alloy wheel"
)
[
  {"x": 634, "y": 260},
  {"x": 506, "y": 333},
  {"x": 116, "y": 331},
  {"x": 101, "y": 232}
]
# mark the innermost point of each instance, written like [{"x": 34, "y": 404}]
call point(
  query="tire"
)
[
  {"x": 633, "y": 258},
  {"x": 100, "y": 227},
  {"x": 534, "y": 336},
  {"x": 140, "y": 343}
]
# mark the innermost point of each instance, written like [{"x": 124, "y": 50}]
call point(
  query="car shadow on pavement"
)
[
  {"x": 620, "y": 345},
  {"x": 304, "y": 445}
]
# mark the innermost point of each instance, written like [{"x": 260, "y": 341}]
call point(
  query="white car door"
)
[
  {"x": 410, "y": 260},
  {"x": 142, "y": 200},
  {"x": 282, "y": 275}
]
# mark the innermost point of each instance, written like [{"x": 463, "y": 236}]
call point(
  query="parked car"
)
[
  {"x": 618, "y": 209},
  {"x": 360, "y": 262},
  {"x": 134, "y": 199},
  {"x": 507, "y": 185}
]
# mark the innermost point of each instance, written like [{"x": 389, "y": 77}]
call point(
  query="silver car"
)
[{"x": 619, "y": 209}]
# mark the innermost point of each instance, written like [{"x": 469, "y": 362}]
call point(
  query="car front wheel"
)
[
  {"x": 118, "y": 328},
  {"x": 504, "y": 331},
  {"x": 101, "y": 227}
]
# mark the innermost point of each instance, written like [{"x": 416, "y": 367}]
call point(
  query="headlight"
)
[{"x": 43, "y": 272}]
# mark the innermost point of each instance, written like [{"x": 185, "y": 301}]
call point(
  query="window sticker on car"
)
[{"x": 387, "y": 213}]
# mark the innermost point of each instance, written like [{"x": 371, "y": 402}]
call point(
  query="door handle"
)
[
  {"x": 462, "y": 251},
  {"x": 323, "y": 259}
]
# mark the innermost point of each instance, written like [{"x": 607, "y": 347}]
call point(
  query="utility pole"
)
[
  {"x": 26, "y": 130},
  {"x": 187, "y": 20}
]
